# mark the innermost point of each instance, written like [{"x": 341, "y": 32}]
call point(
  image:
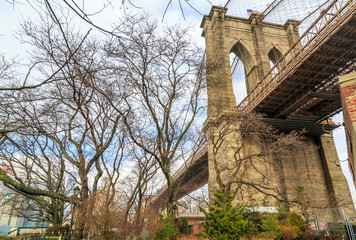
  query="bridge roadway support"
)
[
  {"x": 190, "y": 177},
  {"x": 347, "y": 85},
  {"x": 257, "y": 178}
]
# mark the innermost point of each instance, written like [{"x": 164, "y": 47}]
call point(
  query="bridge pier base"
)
[{"x": 301, "y": 177}]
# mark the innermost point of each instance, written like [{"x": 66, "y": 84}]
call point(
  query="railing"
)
[
  {"x": 191, "y": 161},
  {"x": 67, "y": 236},
  {"x": 328, "y": 20}
]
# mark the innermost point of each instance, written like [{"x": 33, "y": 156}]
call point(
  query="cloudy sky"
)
[{"x": 12, "y": 14}]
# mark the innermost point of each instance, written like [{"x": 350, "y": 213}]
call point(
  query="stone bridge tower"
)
[{"x": 262, "y": 178}]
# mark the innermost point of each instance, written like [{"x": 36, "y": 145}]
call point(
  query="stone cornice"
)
[{"x": 223, "y": 116}]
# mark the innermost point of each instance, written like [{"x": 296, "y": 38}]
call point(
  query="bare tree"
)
[
  {"x": 19, "y": 205},
  {"x": 66, "y": 128},
  {"x": 193, "y": 201},
  {"x": 253, "y": 145},
  {"x": 73, "y": 123},
  {"x": 120, "y": 209},
  {"x": 139, "y": 185},
  {"x": 164, "y": 78},
  {"x": 108, "y": 220}
]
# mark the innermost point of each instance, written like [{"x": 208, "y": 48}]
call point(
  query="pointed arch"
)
[
  {"x": 242, "y": 65},
  {"x": 274, "y": 55},
  {"x": 244, "y": 55}
]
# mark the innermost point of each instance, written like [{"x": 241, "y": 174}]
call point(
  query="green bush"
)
[
  {"x": 297, "y": 221},
  {"x": 223, "y": 222},
  {"x": 270, "y": 228},
  {"x": 254, "y": 220},
  {"x": 167, "y": 232},
  {"x": 21, "y": 237},
  {"x": 4, "y": 237},
  {"x": 251, "y": 231}
]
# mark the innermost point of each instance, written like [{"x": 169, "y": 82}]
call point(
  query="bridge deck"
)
[
  {"x": 190, "y": 177},
  {"x": 308, "y": 82}
]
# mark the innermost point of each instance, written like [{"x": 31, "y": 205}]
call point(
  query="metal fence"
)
[
  {"x": 334, "y": 222},
  {"x": 68, "y": 236}
]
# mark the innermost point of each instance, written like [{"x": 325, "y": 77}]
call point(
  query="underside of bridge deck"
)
[
  {"x": 311, "y": 86},
  {"x": 187, "y": 179}
]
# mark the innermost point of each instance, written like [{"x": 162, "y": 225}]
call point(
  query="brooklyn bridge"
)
[{"x": 298, "y": 70}]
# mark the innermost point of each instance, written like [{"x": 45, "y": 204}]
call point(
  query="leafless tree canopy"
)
[
  {"x": 62, "y": 129},
  {"x": 164, "y": 78},
  {"x": 95, "y": 106}
]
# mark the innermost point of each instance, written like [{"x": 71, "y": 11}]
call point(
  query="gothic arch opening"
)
[
  {"x": 274, "y": 56},
  {"x": 241, "y": 64}
]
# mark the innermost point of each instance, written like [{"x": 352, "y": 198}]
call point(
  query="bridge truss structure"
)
[{"x": 305, "y": 78}]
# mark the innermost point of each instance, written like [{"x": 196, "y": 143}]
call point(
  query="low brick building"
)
[
  {"x": 195, "y": 220},
  {"x": 348, "y": 98}
]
